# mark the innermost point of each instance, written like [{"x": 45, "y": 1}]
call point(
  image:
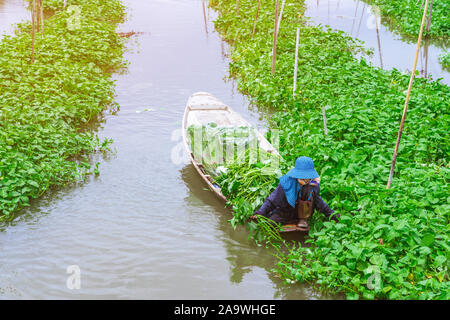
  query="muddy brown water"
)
[{"x": 146, "y": 227}]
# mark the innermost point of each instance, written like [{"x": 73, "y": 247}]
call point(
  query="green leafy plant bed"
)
[
  {"x": 45, "y": 105},
  {"x": 390, "y": 243},
  {"x": 406, "y": 16}
]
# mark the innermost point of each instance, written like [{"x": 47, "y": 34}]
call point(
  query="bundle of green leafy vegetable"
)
[
  {"x": 220, "y": 146},
  {"x": 390, "y": 243},
  {"x": 45, "y": 106}
]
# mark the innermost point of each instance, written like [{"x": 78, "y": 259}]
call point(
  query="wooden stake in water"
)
[
  {"x": 274, "y": 47},
  {"x": 256, "y": 18},
  {"x": 429, "y": 16},
  {"x": 425, "y": 53},
  {"x": 379, "y": 41},
  {"x": 42, "y": 15},
  {"x": 360, "y": 21},
  {"x": 324, "y": 121},
  {"x": 354, "y": 19},
  {"x": 204, "y": 17},
  {"x": 295, "y": 63},
  {"x": 38, "y": 22},
  {"x": 33, "y": 18},
  {"x": 411, "y": 80},
  {"x": 279, "y": 18}
]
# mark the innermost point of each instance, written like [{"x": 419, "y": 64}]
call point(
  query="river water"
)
[
  {"x": 146, "y": 227},
  {"x": 390, "y": 49}
]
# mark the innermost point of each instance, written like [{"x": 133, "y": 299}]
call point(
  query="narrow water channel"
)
[{"x": 146, "y": 227}]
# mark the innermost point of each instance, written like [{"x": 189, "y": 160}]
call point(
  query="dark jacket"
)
[{"x": 277, "y": 200}]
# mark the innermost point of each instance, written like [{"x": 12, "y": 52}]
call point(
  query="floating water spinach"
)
[
  {"x": 45, "y": 106},
  {"x": 444, "y": 59},
  {"x": 406, "y": 16},
  {"x": 389, "y": 243}
]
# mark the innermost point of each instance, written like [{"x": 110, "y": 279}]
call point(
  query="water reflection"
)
[
  {"x": 11, "y": 12},
  {"x": 391, "y": 49}
]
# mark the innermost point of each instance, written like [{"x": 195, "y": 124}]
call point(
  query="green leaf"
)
[
  {"x": 428, "y": 239},
  {"x": 439, "y": 260},
  {"x": 33, "y": 183}
]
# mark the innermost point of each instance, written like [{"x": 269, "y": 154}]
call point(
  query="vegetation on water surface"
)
[
  {"x": 45, "y": 105},
  {"x": 390, "y": 243},
  {"x": 444, "y": 59},
  {"x": 406, "y": 16}
]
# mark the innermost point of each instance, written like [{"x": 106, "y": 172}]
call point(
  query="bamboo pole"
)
[
  {"x": 38, "y": 22},
  {"x": 379, "y": 42},
  {"x": 256, "y": 18},
  {"x": 237, "y": 8},
  {"x": 429, "y": 16},
  {"x": 274, "y": 47},
  {"x": 42, "y": 15},
  {"x": 405, "y": 109},
  {"x": 354, "y": 19},
  {"x": 362, "y": 15},
  {"x": 425, "y": 53},
  {"x": 33, "y": 18},
  {"x": 324, "y": 121},
  {"x": 421, "y": 59},
  {"x": 280, "y": 17},
  {"x": 295, "y": 63},
  {"x": 204, "y": 17}
]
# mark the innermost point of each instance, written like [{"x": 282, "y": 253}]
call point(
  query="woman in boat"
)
[{"x": 296, "y": 197}]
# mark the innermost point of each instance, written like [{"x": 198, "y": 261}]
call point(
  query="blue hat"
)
[{"x": 304, "y": 169}]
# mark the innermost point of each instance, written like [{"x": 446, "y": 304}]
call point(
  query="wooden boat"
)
[{"x": 203, "y": 108}]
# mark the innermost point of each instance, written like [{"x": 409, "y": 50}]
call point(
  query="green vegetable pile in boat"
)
[{"x": 220, "y": 146}]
